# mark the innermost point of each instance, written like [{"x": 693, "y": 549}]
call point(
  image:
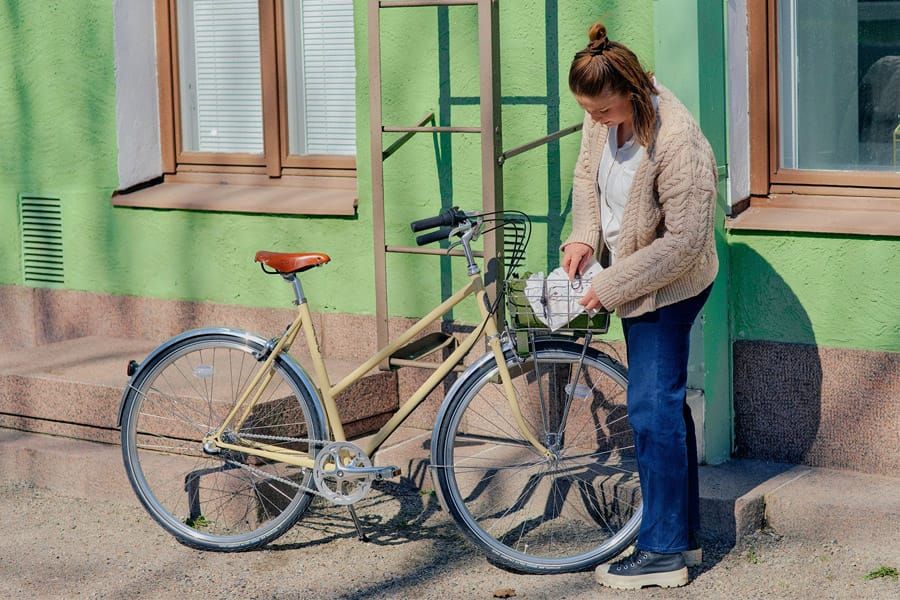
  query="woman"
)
[{"x": 644, "y": 201}]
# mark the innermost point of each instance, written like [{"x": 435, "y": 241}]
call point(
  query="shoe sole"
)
[
  {"x": 693, "y": 558},
  {"x": 670, "y": 579}
]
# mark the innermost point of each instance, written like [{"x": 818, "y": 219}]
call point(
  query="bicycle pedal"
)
[{"x": 387, "y": 473}]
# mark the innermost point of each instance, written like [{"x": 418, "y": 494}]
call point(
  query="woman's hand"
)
[
  {"x": 575, "y": 255},
  {"x": 590, "y": 301}
]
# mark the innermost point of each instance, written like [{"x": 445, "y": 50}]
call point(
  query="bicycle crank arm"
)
[{"x": 379, "y": 473}]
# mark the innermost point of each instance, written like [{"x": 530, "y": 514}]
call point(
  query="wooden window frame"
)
[
  {"x": 812, "y": 196},
  {"x": 276, "y": 162}
]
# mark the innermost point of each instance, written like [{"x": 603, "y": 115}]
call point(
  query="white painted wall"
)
[
  {"x": 738, "y": 103},
  {"x": 137, "y": 103}
]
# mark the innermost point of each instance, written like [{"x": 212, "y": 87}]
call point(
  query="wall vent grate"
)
[{"x": 40, "y": 223}]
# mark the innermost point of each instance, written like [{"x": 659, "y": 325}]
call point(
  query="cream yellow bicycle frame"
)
[{"x": 263, "y": 376}]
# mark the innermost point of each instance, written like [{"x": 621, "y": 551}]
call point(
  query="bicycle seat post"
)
[{"x": 299, "y": 298}]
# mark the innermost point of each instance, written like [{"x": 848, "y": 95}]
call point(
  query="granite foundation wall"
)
[{"x": 823, "y": 407}]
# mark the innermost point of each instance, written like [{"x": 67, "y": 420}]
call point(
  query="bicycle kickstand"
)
[{"x": 357, "y": 524}]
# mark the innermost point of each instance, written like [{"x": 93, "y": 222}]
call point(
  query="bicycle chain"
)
[
  {"x": 278, "y": 438},
  {"x": 262, "y": 473}
]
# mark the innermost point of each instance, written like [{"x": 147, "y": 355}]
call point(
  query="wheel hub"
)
[{"x": 209, "y": 447}]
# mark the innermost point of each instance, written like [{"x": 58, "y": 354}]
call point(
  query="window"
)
[
  {"x": 824, "y": 97},
  {"x": 260, "y": 87},
  {"x": 838, "y": 83}
]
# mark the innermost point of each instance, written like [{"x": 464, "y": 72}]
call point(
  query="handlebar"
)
[
  {"x": 450, "y": 217},
  {"x": 441, "y": 234}
]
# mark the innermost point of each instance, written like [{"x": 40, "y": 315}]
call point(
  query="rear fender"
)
[{"x": 254, "y": 341}]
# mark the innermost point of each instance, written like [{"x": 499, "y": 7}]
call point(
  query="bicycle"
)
[{"x": 226, "y": 439}]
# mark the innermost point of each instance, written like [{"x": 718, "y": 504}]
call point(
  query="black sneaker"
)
[{"x": 643, "y": 569}]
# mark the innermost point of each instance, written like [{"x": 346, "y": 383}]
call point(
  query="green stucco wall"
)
[
  {"x": 57, "y": 84},
  {"x": 57, "y": 87},
  {"x": 57, "y": 94},
  {"x": 833, "y": 291}
]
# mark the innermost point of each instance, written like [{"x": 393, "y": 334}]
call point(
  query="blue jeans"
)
[{"x": 664, "y": 437}]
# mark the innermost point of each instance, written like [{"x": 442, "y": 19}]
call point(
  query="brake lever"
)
[
  {"x": 462, "y": 230},
  {"x": 456, "y": 231},
  {"x": 476, "y": 228}
]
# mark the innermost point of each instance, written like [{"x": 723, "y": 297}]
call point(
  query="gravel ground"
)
[{"x": 59, "y": 547}]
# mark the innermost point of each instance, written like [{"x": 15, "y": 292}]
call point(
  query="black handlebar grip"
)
[
  {"x": 434, "y": 236},
  {"x": 449, "y": 217},
  {"x": 429, "y": 223}
]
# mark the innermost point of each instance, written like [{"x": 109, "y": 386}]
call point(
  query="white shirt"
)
[{"x": 618, "y": 165}]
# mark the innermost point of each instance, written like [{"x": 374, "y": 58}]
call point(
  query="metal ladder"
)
[{"x": 492, "y": 158}]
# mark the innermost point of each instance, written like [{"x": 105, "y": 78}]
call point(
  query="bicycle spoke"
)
[
  {"x": 533, "y": 482},
  {"x": 225, "y": 498},
  {"x": 184, "y": 419},
  {"x": 564, "y": 508},
  {"x": 512, "y": 426}
]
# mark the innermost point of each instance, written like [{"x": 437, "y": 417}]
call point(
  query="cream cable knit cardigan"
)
[{"x": 666, "y": 250}]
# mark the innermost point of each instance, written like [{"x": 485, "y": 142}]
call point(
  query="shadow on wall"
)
[
  {"x": 57, "y": 126},
  {"x": 556, "y": 214},
  {"x": 777, "y": 386}
]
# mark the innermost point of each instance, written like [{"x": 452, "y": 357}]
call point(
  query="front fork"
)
[{"x": 493, "y": 338}]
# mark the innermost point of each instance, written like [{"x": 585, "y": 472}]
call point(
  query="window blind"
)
[
  {"x": 220, "y": 69},
  {"x": 323, "y": 70}
]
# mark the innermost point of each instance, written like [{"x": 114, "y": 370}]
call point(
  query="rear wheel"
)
[
  {"x": 217, "y": 499},
  {"x": 529, "y": 512}
]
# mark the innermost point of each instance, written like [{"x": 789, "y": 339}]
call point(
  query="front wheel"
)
[
  {"x": 216, "y": 499},
  {"x": 529, "y": 512}
]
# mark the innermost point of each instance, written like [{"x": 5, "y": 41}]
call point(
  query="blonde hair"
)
[{"x": 608, "y": 66}]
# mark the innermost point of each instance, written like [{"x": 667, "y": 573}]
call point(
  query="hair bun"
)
[
  {"x": 597, "y": 32},
  {"x": 598, "y": 40}
]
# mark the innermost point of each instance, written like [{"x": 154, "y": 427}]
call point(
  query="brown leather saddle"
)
[{"x": 284, "y": 263}]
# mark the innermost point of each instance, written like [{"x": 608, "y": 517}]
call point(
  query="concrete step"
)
[
  {"x": 823, "y": 505},
  {"x": 71, "y": 467},
  {"x": 73, "y": 388},
  {"x": 733, "y": 495},
  {"x": 86, "y": 469},
  {"x": 737, "y": 497}
]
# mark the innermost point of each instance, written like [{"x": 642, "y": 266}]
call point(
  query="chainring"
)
[{"x": 331, "y": 480}]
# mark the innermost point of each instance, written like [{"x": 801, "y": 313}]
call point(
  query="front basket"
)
[{"x": 520, "y": 314}]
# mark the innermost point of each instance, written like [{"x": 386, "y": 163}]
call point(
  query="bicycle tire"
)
[
  {"x": 225, "y": 502},
  {"x": 526, "y": 512}
]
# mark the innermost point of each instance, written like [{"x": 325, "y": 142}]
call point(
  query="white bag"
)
[{"x": 554, "y": 298}]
